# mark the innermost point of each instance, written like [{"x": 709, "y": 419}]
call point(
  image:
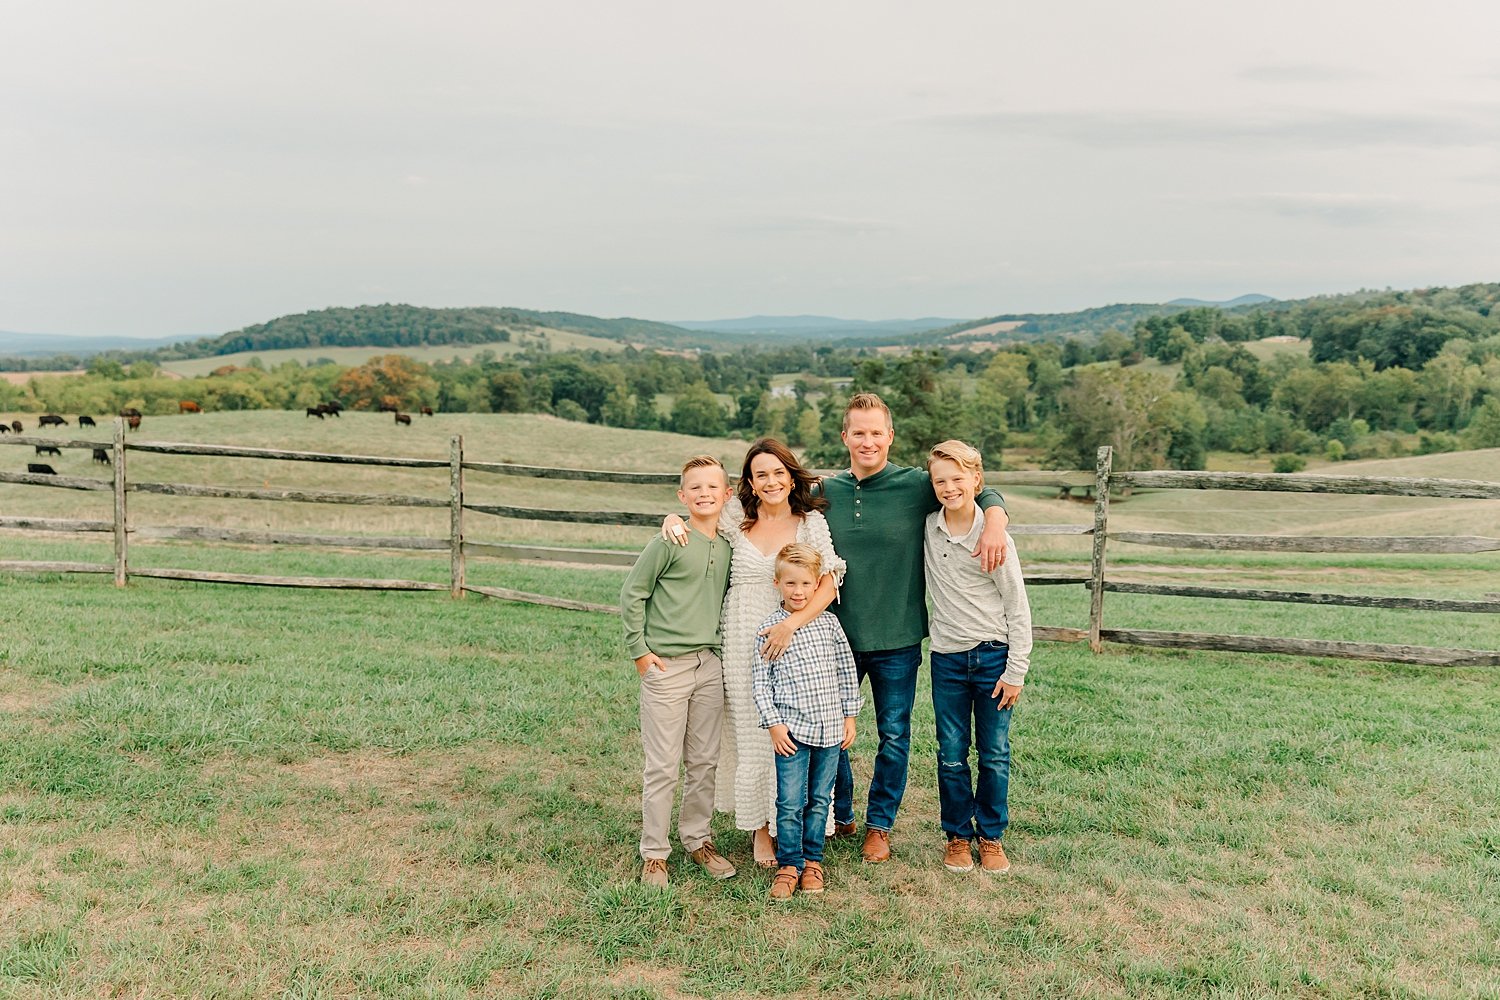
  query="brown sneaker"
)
[
  {"x": 877, "y": 846},
  {"x": 812, "y": 878},
  {"x": 992, "y": 859},
  {"x": 654, "y": 872},
  {"x": 958, "y": 858},
  {"x": 784, "y": 884},
  {"x": 843, "y": 831},
  {"x": 712, "y": 862}
]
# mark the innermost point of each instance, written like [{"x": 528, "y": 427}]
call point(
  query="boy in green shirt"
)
[{"x": 670, "y": 607}]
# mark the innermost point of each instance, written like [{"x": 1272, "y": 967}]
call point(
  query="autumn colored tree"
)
[{"x": 392, "y": 379}]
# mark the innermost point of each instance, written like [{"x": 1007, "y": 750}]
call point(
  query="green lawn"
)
[{"x": 245, "y": 792}]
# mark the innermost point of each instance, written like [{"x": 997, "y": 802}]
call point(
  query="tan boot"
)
[
  {"x": 784, "y": 884},
  {"x": 712, "y": 861},
  {"x": 877, "y": 846},
  {"x": 812, "y": 878},
  {"x": 992, "y": 859},
  {"x": 958, "y": 857},
  {"x": 842, "y": 831},
  {"x": 654, "y": 872}
]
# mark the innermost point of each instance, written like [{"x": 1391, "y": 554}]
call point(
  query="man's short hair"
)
[
  {"x": 868, "y": 401},
  {"x": 800, "y": 554},
  {"x": 699, "y": 462},
  {"x": 965, "y": 456}
]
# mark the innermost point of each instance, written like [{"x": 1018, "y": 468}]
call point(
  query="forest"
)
[{"x": 1382, "y": 374}]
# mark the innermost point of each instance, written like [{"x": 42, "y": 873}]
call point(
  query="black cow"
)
[
  {"x": 403, "y": 418},
  {"x": 334, "y": 406},
  {"x": 388, "y": 408},
  {"x": 86, "y": 421},
  {"x": 47, "y": 449},
  {"x": 134, "y": 421},
  {"x": 426, "y": 411},
  {"x": 51, "y": 420},
  {"x": 130, "y": 411},
  {"x": 100, "y": 455},
  {"x": 4, "y": 428},
  {"x": 39, "y": 469},
  {"x": 15, "y": 425},
  {"x": 315, "y": 411}
]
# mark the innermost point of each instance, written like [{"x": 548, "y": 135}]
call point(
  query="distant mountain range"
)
[
  {"x": 1242, "y": 300},
  {"x": 824, "y": 327},
  {"x": 43, "y": 344}
]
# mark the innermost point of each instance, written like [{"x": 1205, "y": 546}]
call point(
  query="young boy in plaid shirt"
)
[{"x": 808, "y": 699}]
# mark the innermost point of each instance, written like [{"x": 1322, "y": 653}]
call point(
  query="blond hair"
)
[
  {"x": 700, "y": 462},
  {"x": 800, "y": 554},
  {"x": 965, "y": 456},
  {"x": 867, "y": 401}
]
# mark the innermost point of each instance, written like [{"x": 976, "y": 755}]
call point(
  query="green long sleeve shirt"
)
[
  {"x": 877, "y": 525},
  {"x": 671, "y": 600}
]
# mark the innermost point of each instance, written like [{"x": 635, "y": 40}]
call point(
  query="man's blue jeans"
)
[
  {"x": 804, "y": 787},
  {"x": 961, "y": 686},
  {"x": 893, "y": 689}
]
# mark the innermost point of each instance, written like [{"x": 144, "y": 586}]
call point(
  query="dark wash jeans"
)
[
  {"x": 804, "y": 787},
  {"x": 961, "y": 686},
  {"x": 893, "y": 689}
]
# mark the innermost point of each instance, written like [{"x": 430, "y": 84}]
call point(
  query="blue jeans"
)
[
  {"x": 804, "y": 787},
  {"x": 893, "y": 689},
  {"x": 961, "y": 686}
]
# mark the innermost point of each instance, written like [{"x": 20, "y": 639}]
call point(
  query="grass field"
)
[{"x": 245, "y": 792}]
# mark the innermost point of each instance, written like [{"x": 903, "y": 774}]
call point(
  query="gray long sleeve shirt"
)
[{"x": 970, "y": 606}]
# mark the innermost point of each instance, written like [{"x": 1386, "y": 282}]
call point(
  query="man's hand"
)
[
  {"x": 674, "y": 530},
  {"x": 778, "y": 638},
  {"x": 1008, "y": 694},
  {"x": 848, "y": 734},
  {"x": 991, "y": 550},
  {"x": 645, "y": 663},
  {"x": 781, "y": 741}
]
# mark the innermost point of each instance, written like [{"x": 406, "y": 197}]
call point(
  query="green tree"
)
[
  {"x": 698, "y": 411},
  {"x": 1484, "y": 427}
]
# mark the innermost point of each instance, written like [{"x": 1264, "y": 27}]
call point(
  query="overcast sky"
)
[{"x": 177, "y": 168}]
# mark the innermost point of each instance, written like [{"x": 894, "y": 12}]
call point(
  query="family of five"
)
[{"x": 755, "y": 575}]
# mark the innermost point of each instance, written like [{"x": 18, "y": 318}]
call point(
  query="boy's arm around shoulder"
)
[
  {"x": 993, "y": 541},
  {"x": 636, "y": 592}
]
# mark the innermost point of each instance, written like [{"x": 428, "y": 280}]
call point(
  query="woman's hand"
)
[
  {"x": 674, "y": 530},
  {"x": 778, "y": 638}
]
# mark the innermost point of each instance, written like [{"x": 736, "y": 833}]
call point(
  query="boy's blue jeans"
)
[
  {"x": 804, "y": 789},
  {"x": 893, "y": 689},
  {"x": 961, "y": 686}
]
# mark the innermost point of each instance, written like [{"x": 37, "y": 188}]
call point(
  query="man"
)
[{"x": 876, "y": 513}]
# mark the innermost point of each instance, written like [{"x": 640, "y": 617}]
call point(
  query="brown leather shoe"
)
[
  {"x": 712, "y": 861},
  {"x": 992, "y": 859},
  {"x": 812, "y": 878},
  {"x": 958, "y": 857},
  {"x": 842, "y": 831},
  {"x": 784, "y": 884},
  {"x": 654, "y": 872},
  {"x": 877, "y": 846}
]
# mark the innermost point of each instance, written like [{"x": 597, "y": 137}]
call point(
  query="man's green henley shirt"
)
[
  {"x": 877, "y": 525},
  {"x": 671, "y": 600}
]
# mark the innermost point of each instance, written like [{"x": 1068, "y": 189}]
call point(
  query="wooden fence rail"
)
[{"x": 1102, "y": 482}]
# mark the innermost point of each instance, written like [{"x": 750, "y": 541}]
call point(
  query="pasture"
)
[{"x": 244, "y": 792}]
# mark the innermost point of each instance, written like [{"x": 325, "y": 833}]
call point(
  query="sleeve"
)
[
  {"x": 989, "y": 497},
  {"x": 730, "y": 518},
  {"x": 814, "y": 531},
  {"x": 760, "y": 687},
  {"x": 849, "y": 696},
  {"x": 639, "y": 584},
  {"x": 1012, "y": 587}
]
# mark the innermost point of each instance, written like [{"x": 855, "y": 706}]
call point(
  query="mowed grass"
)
[{"x": 244, "y": 792}]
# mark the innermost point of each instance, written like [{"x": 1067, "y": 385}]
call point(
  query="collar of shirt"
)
[
  {"x": 885, "y": 470},
  {"x": 970, "y": 538}
]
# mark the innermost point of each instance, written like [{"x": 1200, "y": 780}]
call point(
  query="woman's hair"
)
[
  {"x": 964, "y": 456},
  {"x": 800, "y": 496},
  {"x": 800, "y": 554}
]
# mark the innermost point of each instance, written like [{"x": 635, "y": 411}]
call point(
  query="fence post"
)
[
  {"x": 122, "y": 542},
  {"x": 1101, "y": 530},
  {"x": 456, "y": 516}
]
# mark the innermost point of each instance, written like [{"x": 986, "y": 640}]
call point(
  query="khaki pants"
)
[{"x": 682, "y": 711}]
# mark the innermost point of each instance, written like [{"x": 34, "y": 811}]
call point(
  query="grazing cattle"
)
[
  {"x": 15, "y": 425},
  {"x": 39, "y": 469},
  {"x": 51, "y": 420},
  {"x": 388, "y": 408},
  {"x": 333, "y": 406},
  {"x": 403, "y": 418},
  {"x": 47, "y": 449},
  {"x": 315, "y": 411},
  {"x": 188, "y": 406},
  {"x": 130, "y": 411},
  {"x": 426, "y": 411},
  {"x": 133, "y": 422},
  {"x": 4, "y": 428},
  {"x": 86, "y": 421},
  {"x": 100, "y": 455}
]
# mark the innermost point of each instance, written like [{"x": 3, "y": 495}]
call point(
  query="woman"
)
[{"x": 773, "y": 506}]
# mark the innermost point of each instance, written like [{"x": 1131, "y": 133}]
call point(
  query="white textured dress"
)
[{"x": 746, "y": 784}]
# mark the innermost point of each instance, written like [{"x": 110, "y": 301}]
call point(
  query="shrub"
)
[{"x": 1288, "y": 463}]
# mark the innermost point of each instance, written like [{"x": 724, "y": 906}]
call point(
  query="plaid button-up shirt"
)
[{"x": 813, "y": 687}]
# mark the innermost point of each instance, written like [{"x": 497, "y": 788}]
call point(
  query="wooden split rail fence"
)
[{"x": 1102, "y": 483}]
